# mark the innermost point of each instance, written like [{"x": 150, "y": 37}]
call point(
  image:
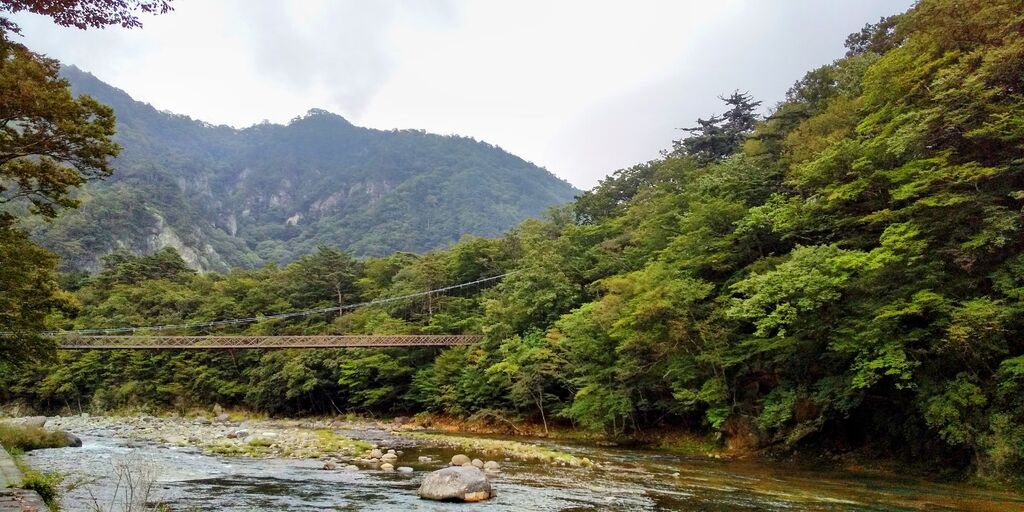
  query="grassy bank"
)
[
  {"x": 24, "y": 438},
  {"x": 680, "y": 442}
]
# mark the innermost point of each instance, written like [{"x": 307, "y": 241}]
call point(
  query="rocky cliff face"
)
[{"x": 226, "y": 197}]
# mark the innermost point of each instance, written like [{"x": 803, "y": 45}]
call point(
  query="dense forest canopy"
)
[{"x": 846, "y": 272}]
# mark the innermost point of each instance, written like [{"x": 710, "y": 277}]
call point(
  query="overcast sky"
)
[{"x": 580, "y": 87}]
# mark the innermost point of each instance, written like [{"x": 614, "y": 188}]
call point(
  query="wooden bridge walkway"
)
[{"x": 212, "y": 342}]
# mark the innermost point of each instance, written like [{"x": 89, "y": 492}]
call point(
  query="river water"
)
[{"x": 186, "y": 479}]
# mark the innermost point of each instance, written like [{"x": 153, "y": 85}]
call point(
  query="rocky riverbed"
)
[
  {"x": 222, "y": 434},
  {"x": 226, "y": 463}
]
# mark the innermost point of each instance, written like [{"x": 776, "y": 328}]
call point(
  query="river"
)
[{"x": 183, "y": 477}]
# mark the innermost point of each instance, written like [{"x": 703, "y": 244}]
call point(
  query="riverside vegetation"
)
[{"x": 844, "y": 274}]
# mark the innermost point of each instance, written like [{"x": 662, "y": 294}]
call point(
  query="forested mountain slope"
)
[{"x": 269, "y": 193}]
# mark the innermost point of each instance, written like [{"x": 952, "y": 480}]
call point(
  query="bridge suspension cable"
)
[{"x": 278, "y": 316}]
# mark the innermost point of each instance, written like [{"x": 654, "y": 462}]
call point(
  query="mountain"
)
[{"x": 226, "y": 197}]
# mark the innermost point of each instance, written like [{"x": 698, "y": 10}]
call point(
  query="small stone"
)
[
  {"x": 459, "y": 460},
  {"x": 491, "y": 465},
  {"x": 389, "y": 457},
  {"x": 351, "y": 467},
  {"x": 387, "y": 467},
  {"x": 404, "y": 469},
  {"x": 376, "y": 453},
  {"x": 329, "y": 465},
  {"x": 424, "y": 458},
  {"x": 392, "y": 452},
  {"x": 478, "y": 463}
]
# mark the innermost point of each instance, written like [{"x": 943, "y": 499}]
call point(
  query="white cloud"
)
[{"x": 582, "y": 87}]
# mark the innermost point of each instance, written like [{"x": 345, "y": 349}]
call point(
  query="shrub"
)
[{"x": 46, "y": 484}]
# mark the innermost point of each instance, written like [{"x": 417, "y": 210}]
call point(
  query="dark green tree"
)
[{"x": 720, "y": 135}]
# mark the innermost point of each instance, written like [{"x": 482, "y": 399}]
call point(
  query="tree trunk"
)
[{"x": 539, "y": 398}]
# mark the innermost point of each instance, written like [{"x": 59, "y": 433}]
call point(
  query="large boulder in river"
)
[
  {"x": 72, "y": 440},
  {"x": 457, "y": 483}
]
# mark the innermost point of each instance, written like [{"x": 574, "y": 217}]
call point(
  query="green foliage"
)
[
  {"x": 46, "y": 484},
  {"x": 720, "y": 136},
  {"x": 28, "y": 280},
  {"x": 50, "y": 142},
  {"x": 529, "y": 367}
]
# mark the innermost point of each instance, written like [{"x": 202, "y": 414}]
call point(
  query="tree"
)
[
  {"x": 875, "y": 37},
  {"x": 324, "y": 277},
  {"x": 83, "y": 14},
  {"x": 530, "y": 366},
  {"x": 50, "y": 141},
  {"x": 720, "y": 135},
  {"x": 125, "y": 268},
  {"x": 28, "y": 291}
]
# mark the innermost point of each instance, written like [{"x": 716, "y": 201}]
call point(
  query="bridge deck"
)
[{"x": 76, "y": 342}]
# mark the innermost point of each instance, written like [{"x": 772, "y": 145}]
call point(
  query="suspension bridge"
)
[
  {"x": 224, "y": 342},
  {"x": 152, "y": 337}
]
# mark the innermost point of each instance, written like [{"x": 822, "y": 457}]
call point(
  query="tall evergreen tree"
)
[{"x": 720, "y": 135}]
